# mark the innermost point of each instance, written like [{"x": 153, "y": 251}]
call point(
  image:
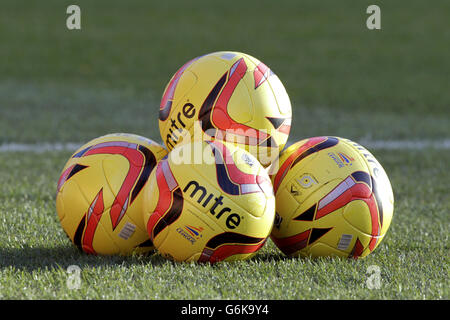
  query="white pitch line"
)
[
  {"x": 39, "y": 147},
  {"x": 407, "y": 144},
  {"x": 401, "y": 144},
  {"x": 369, "y": 144}
]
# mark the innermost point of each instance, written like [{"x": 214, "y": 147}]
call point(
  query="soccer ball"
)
[
  {"x": 220, "y": 207},
  {"x": 333, "y": 199},
  {"x": 229, "y": 96},
  {"x": 99, "y": 194}
]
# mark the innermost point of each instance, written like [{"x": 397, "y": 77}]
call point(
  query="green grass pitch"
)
[{"x": 60, "y": 86}]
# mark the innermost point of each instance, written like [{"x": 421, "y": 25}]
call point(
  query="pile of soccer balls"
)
[{"x": 222, "y": 187}]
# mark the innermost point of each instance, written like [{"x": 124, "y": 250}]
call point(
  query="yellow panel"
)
[
  {"x": 358, "y": 215},
  {"x": 115, "y": 168}
]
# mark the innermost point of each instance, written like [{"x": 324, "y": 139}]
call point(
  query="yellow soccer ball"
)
[
  {"x": 99, "y": 194},
  {"x": 333, "y": 198},
  {"x": 229, "y": 96},
  {"x": 217, "y": 207}
]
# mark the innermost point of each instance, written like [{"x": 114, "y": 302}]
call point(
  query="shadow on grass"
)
[
  {"x": 38, "y": 258},
  {"x": 271, "y": 257}
]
